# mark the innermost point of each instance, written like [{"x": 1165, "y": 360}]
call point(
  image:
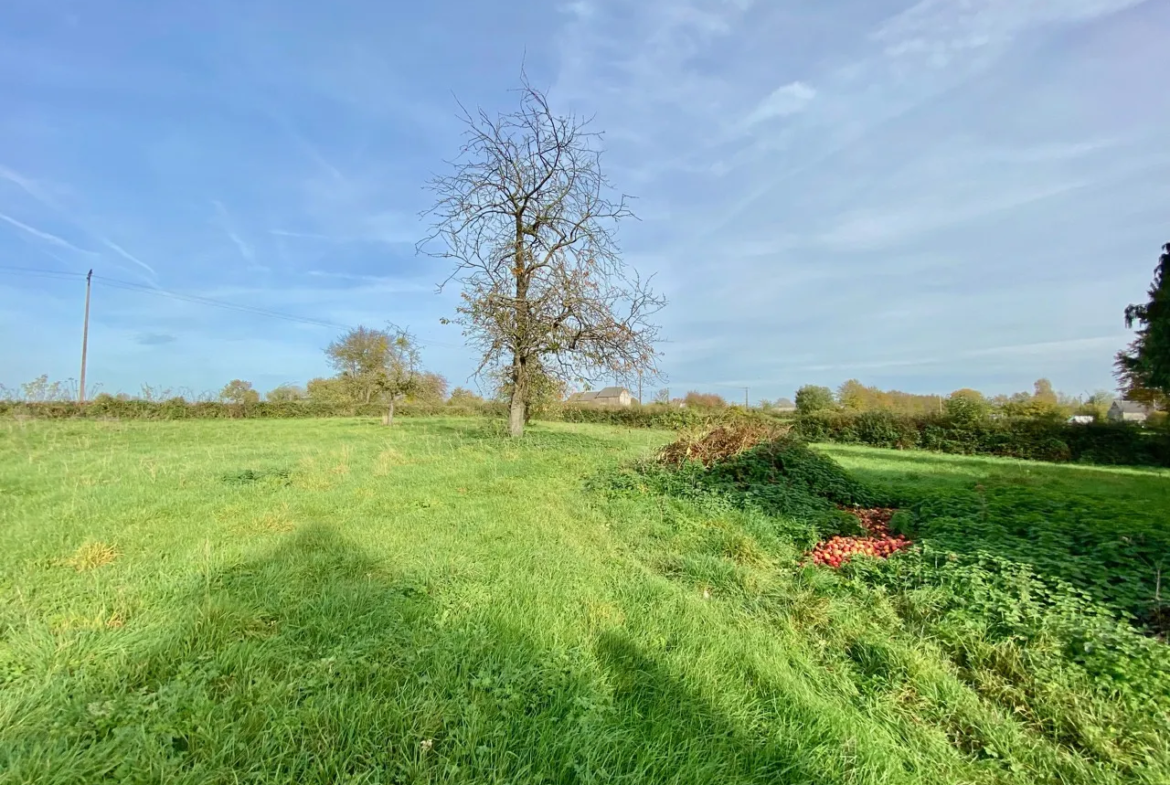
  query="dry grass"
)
[
  {"x": 272, "y": 521},
  {"x": 92, "y": 555}
]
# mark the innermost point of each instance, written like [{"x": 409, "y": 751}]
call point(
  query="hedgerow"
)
[
  {"x": 1025, "y": 438},
  {"x": 179, "y": 409}
]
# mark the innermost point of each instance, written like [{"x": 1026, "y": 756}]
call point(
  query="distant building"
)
[
  {"x": 610, "y": 396},
  {"x": 1081, "y": 419},
  {"x": 1129, "y": 411}
]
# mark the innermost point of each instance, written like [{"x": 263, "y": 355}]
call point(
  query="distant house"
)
[
  {"x": 1081, "y": 419},
  {"x": 610, "y": 396},
  {"x": 1129, "y": 411},
  {"x": 784, "y": 406}
]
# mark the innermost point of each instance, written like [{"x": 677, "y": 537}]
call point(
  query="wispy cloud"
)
[
  {"x": 42, "y": 235},
  {"x": 113, "y": 246},
  {"x": 305, "y": 235},
  {"x": 790, "y": 99},
  {"x": 226, "y": 224},
  {"x": 1048, "y": 348},
  {"x": 30, "y": 186},
  {"x": 940, "y": 32},
  {"x": 876, "y": 228}
]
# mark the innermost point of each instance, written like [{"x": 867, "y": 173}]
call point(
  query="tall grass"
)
[{"x": 331, "y": 601}]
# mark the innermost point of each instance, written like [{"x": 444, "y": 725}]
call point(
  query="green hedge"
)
[
  {"x": 665, "y": 417},
  {"x": 1041, "y": 440},
  {"x": 178, "y": 409}
]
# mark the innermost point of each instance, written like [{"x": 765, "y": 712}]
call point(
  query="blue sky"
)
[{"x": 923, "y": 196}]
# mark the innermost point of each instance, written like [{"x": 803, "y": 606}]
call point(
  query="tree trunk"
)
[
  {"x": 519, "y": 408},
  {"x": 516, "y": 417},
  {"x": 388, "y": 417}
]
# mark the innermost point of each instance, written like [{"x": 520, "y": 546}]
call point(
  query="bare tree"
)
[{"x": 528, "y": 219}]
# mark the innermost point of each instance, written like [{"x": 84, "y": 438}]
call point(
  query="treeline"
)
[{"x": 1042, "y": 402}]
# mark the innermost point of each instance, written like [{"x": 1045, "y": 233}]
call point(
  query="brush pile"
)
[
  {"x": 878, "y": 541},
  {"x": 720, "y": 444}
]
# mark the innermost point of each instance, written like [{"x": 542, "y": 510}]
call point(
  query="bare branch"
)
[{"x": 527, "y": 219}]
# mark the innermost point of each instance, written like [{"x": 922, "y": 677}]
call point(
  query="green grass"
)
[{"x": 330, "y": 601}]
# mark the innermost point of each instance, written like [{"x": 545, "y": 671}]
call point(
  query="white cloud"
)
[{"x": 792, "y": 98}]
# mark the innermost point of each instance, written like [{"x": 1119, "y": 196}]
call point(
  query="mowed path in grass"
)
[{"x": 333, "y": 601}]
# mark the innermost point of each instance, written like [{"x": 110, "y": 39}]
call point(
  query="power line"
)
[
  {"x": 127, "y": 285},
  {"x": 35, "y": 273},
  {"x": 192, "y": 298}
]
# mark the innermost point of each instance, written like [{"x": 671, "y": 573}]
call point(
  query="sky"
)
[{"x": 924, "y": 196}]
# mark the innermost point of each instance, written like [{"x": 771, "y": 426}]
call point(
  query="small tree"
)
[
  {"x": 853, "y": 396},
  {"x": 239, "y": 391},
  {"x": 360, "y": 356},
  {"x": 431, "y": 388},
  {"x": 662, "y": 397},
  {"x": 1043, "y": 393},
  {"x": 967, "y": 406},
  {"x": 811, "y": 398},
  {"x": 1143, "y": 369},
  {"x": 286, "y": 393},
  {"x": 527, "y": 218},
  {"x": 399, "y": 375}
]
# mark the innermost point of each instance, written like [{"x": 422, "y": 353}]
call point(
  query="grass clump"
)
[{"x": 92, "y": 555}]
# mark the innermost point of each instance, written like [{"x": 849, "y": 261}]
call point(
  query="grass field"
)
[{"x": 336, "y": 602}]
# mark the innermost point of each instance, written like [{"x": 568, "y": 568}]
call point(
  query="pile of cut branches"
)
[{"x": 723, "y": 443}]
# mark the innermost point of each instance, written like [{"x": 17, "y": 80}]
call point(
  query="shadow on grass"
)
[
  {"x": 681, "y": 736},
  {"x": 318, "y": 664}
]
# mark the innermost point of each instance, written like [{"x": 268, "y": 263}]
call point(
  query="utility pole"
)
[
  {"x": 639, "y": 386},
  {"x": 85, "y": 337},
  {"x": 746, "y": 405}
]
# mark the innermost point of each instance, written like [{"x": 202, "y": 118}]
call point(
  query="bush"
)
[{"x": 1026, "y": 438}]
